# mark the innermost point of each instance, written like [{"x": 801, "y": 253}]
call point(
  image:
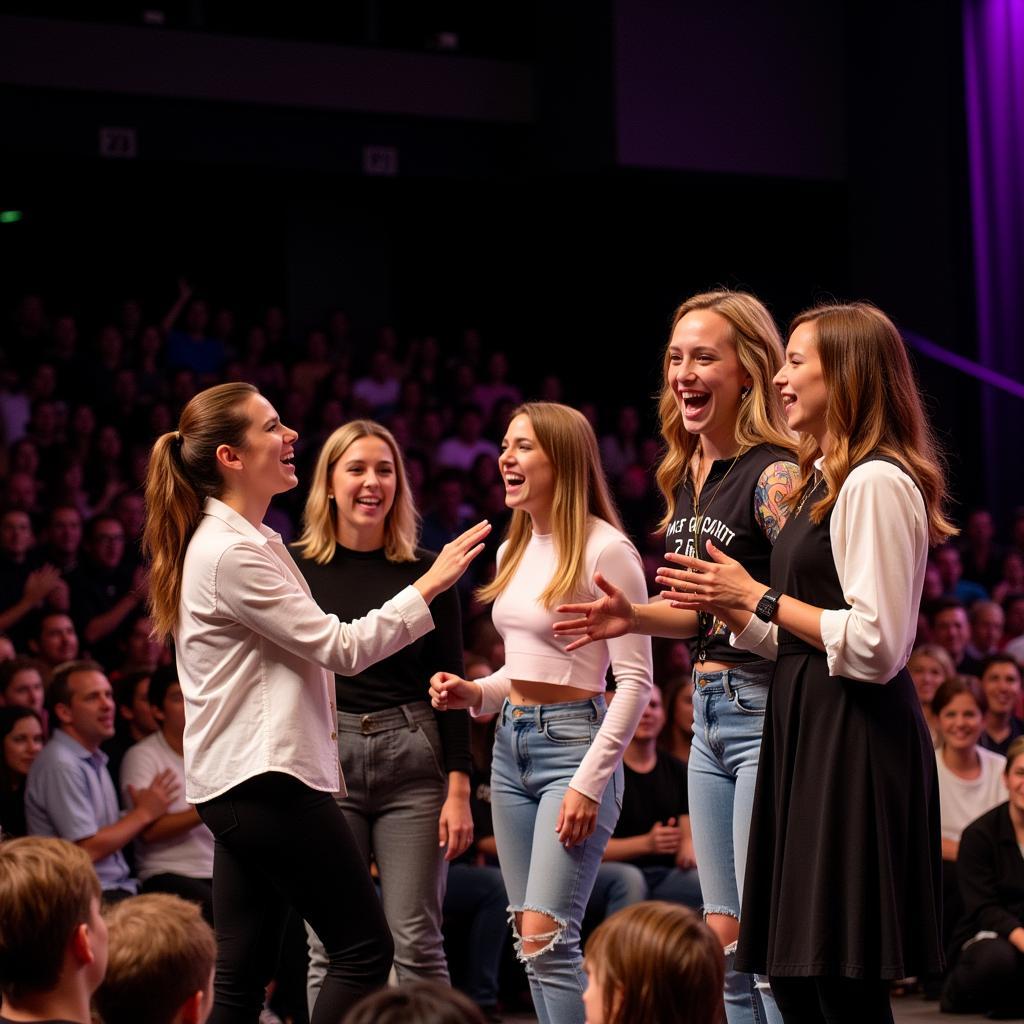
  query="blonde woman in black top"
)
[{"x": 406, "y": 766}]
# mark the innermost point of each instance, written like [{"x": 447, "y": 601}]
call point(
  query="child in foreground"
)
[{"x": 656, "y": 962}]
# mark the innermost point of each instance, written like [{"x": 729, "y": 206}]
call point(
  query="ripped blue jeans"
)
[
  {"x": 537, "y": 749},
  {"x": 728, "y": 718}
]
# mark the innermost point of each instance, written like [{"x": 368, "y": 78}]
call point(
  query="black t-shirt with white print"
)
[{"x": 735, "y": 513}]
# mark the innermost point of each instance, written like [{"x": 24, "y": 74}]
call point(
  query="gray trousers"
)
[{"x": 394, "y": 770}]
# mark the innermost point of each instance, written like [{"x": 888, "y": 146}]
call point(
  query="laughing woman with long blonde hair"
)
[
  {"x": 556, "y": 778},
  {"x": 406, "y": 766}
]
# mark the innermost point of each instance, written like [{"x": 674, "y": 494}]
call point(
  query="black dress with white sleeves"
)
[{"x": 844, "y": 859}]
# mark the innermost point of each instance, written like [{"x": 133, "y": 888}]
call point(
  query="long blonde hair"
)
[
  {"x": 760, "y": 419},
  {"x": 873, "y": 406},
  {"x": 401, "y": 525},
  {"x": 567, "y": 438},
  {"x": 182, "y": 474}
]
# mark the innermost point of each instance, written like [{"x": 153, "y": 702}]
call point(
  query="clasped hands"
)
[{"x": 722, "y": 586}]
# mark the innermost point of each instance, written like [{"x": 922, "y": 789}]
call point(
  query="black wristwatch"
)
[{"x": 766, "y": 606}]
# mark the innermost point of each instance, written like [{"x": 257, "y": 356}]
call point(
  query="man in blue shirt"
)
[{"x": 69, "y": 792}]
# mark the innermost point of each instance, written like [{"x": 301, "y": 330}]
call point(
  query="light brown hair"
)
[
  {"x": 401, "y": 526},
  {"x": 874, "y": 406},
  {"x": 760, "y": 418},
  {"x": 657, "y": 961},
  {"x": 1013, "y": 751},
  {"x": 46, "y": 887},
  {"x": 581, "y": 491},
  {"x": 161, "y": 952},
  {"x": 182, "y": 474}
]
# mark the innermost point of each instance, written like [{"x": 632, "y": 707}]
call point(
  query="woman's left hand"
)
[
  {"x": 455, "y": 826},
  {"x": 719, "y": 585},
  {"x": 577, "y": 818}
]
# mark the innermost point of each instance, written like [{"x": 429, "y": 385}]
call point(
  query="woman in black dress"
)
[{"x": 844, "y": 843}]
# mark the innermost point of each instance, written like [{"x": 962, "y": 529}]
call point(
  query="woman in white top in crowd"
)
[
  {"x": 970, "y": 777},
  {"x": 253, "y": 650},
  {"x": 556, "y": 782}
]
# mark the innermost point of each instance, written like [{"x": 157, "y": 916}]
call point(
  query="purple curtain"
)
[
  {"x": 994, "y": 69},
  {"x": 994, "y": 88}
]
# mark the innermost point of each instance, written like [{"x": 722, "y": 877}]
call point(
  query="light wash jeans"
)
[
  {"x": 393, "y": 766},
  {"x": 537, "y": 750},
  {"x": 620, "y": 884},
  {"x": 728, "y": 717}
]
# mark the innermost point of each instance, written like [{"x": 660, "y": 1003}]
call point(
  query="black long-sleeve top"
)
[
  {"x": 990, "y": 872},
  {"x": 353, "y": 583}
]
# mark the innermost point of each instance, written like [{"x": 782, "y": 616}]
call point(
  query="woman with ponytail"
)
[{"x": 255, "y": 656}]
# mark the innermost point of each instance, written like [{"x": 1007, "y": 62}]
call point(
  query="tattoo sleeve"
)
[{"x": 771, "y": 497}]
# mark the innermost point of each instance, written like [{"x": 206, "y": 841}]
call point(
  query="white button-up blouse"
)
[{"x": 255, "y": 656}]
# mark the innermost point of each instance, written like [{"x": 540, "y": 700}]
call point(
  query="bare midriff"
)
[
  {"x": 715, "y": 666},
  {"x": 524, "y": 691}
]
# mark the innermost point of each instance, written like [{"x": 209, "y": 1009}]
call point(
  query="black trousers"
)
[
  {"x": 832, "y": 1000},
  {"x": 988, "y": 978},
  {"x": 280, "y": 843}
]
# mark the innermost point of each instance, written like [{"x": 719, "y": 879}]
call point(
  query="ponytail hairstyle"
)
[
  {"x": 873, "y": 406},
  {"x": 182, "y": 474},
  {"x": 581, "y": 491},
  {"x": 760, "y": 418}
]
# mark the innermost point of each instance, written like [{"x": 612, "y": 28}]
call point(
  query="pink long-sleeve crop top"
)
[{"x": 533, "y": 653}]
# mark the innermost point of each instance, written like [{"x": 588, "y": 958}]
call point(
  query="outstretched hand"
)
[
  {"x": 453, "y": 561},
  {"x": 607, "y": 617},
  {"x": 721, "y": 585}
]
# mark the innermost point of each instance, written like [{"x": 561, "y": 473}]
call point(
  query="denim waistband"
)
[
  {"x": 727, "y": 680},
  {"x": 592, "y": 708},
  {"x": 405, "y": 716}
]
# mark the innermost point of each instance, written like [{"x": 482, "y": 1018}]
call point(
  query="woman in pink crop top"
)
[{"x": 556, "y": 783}]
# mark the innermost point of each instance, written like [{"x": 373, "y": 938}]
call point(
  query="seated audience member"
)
[
  {"x": 951, "y": 569},
  {"x": 1001, "y": 685},
  {"x": 133, "y": 721},
  {"x": 175, "y": 853},
  {"x": 970, "y": 780},
  {"x": 420, "y": 1002},
  {"x": 654, "y": 962},
  {"x": 650, "y": 854},
  {"x": 987, "y": 624},
  {"x": 1011, "y": 581},
  {"x": 468, "y": 444},
  {"x": 140, "y": 652},
  {"x": 677, "y": 734},
  {"x": 987, "y": 951},
  {"x": 105, "y": 588},
  {"x": 160, "y": 963},
  {"x": 54, "y": 640},
  {"x": 24, "y": 588},
  {"x": 63, "y": 538},
  {"x": 21, "y": 737},
  {"x": 930, "y": 666},
  {"x": 951, "y": 630},
  {"x": 980, "y": 556},
  {"x": 69, "y": 792},
  {"x": 1013, "y": 608},
  {"x": 21, "y": 684},
  {"x": 53, "y": 943},
  {"x": 970, "y": 777}
]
